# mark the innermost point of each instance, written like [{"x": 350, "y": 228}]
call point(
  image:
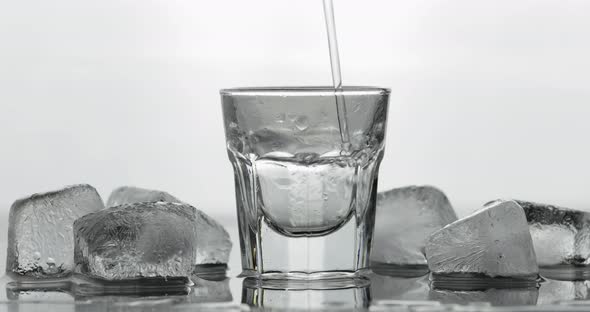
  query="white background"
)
[{"x": 489, "y": 98}]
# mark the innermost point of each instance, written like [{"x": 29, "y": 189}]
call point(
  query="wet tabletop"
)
[{"x": 217, "y": 292}]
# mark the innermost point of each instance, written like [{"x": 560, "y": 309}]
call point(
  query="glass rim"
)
[{"x": 304, "y": 90}]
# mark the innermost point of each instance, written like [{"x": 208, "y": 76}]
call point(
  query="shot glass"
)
[{"x": 306, "y": 161}]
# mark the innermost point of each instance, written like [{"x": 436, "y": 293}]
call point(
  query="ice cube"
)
[
  {"x": 156, "y": 239},
  {"x": 404, "y": 219},
  {"x": 494, "y": 242},
  {"x": 148, "y": 239},
  {"x": 40, "y": 237},
  {"x": 131, "y": 194},
  {"x": 560, "y": 235},
  {"x": 213, "y": 242}
]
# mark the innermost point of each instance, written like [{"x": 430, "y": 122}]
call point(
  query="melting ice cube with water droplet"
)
[
  {"x": 148, "y": 239},
  {"x": 137, "y": 240},
  {"x": 40, "y": 237},
  {"x": 213, "y": 242}
]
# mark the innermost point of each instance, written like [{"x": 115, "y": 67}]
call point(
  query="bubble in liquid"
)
[
  {"x": 51, "y": 268},
  {"x": 37, "y": 255},
  {"x": 280, "y": 118}
]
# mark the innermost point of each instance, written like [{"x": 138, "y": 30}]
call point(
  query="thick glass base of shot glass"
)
[{"x": 340, "y": 257}]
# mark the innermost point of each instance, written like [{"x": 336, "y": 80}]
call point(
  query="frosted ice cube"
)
[
  {"x": 131, "y": 194},
  {"x": 560, "y": 235},
  {"x": 494, "y": 241},
  {"x": 148, "y": 239},
  {"x": 40, "y": 237},
  {"x": 137, "y": 240},
  {"x": 404, "y": 219},
  {"x": 213, "y": 242}
]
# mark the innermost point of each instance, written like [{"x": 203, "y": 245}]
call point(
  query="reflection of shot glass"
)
[
  {"x": 305, "y": 199},
  {"x": 326, "y": 298}
]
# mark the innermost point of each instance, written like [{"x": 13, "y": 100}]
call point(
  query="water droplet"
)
[
  {"x": 51, "y": 268},
  {"x": 324, "y": 196},
  {"x": 280, "y": 118},
  {"x": 357, "y": 107},
  {"x": 37, "y": 255},
  {"x": 301, "y": 123}
]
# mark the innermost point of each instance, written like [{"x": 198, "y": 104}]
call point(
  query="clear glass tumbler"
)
[{"x": 305, "y": 178}]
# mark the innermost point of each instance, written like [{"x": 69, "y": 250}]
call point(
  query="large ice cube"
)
[
  {"x": 138, "y": 240},
  {"x": 40, "y": 237},
  {"x": 404, "y": 219},
  {"x": 213, "y": 242},
  {"x": 130, "y": 194},
  {"x": 560, "y": 235},
  {"x": 494, "y": 241},
  {"x": 148, "y": 239}
]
